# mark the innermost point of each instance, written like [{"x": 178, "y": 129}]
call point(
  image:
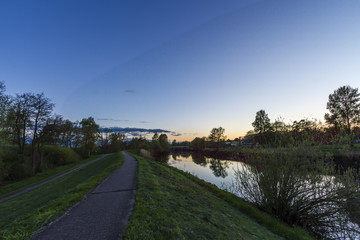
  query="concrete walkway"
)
[{"x": 103, "y": 214}]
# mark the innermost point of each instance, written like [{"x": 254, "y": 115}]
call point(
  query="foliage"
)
[
  {"x": 198, "y": 144},
  {"x": 262, "y": 122},
  {"x": 89, "y": 134},
  {"x": 217, "y": 135},
  {"x": 344, "y": 107},
  {"x": 160, "y": 144},
  {"x": 297, "y": 187},
  {"x": 138, "y": 143},
  {"x": 117, "y": 141},
  {"x": 58, "y": 156}
]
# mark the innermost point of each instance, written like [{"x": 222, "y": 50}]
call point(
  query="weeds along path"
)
[{"x": 30, "y": 187}]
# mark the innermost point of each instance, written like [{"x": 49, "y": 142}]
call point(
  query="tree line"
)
[
  {"x": 341, "y": 127},
  {"x": 33, "y": 138},
  {"x": 341, "y": 124}
]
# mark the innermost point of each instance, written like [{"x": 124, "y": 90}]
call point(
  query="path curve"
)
[
  {"x": 8, "y": 196},
  {"x": 102, "y": 214}
]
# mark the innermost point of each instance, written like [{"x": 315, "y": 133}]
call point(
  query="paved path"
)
[
  {"x": 103, "y": 214},
  {"x": 8, "y": 196}
]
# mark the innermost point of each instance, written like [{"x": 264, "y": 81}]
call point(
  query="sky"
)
[{"x": 183, "y": 66}]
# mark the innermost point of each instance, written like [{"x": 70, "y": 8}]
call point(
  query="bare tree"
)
[{"x": 41, "y": 109}]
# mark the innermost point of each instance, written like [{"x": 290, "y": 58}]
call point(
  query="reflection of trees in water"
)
[
  {"x": 185, "y": 155},
  {"x": 175, "y": 155},
  {"x": 162, "y": 157},
  {"x": 199, "y": 159},
  {"x": 219, "y": 167}
]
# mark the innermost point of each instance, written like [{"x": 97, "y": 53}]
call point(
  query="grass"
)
[
  {"x": 20, "y": 217},
  {"x": 171, "y": 204},
  {"x": 38, "y": 178}
]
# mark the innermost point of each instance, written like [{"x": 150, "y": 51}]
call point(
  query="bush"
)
[
  {"x": 15, "y": 166},
  {"x": 297, "y": 187},
  {"x": 19, "y": 170},
  {"x": 2, "y": 168},
  {"x": 58, "y": 156}
]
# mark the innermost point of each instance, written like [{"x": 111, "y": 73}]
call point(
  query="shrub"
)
[
  {"x": 15, "y": 166},
  {"x": 297, "y": 187},
  {"x": 2, "y": 169},
  {"x": 58, "y": 156}
]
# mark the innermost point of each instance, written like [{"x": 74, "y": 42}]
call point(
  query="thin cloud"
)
[
  {"x": 133, "y": 130},
  {"x": 113, "y": 120},
  {"x": 130, "y": 91},
  {"x": 175, "y": 134}
]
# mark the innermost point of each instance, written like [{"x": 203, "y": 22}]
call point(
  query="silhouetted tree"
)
[
  {"x": 262, "y": 122},
  {"x": 344, "y": 107},
  {"x": 19, "y": 119},
  {"x": 67, "y": 134},
  {"x": 164, "y": 142},
  {"x": 40, "y": 112},
  {"x": 155, "y": 137},
  {"x": 198, "y": 144},
  {"x": 217, "y": 135},
  {"x": 5, "y": 102},
  {"x": 89, "y": 135},
  {"x": 116, "y": 141}
]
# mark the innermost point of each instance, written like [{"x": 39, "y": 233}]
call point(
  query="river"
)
[{"x": 216, "y": 171}]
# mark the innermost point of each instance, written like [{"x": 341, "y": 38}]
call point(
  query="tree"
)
[
  {"x": 5, "y": 102},
  {"x": 344, "y": 107},
  {"x": 116, "y": 141},
  {"x": 164, "y": 142},
  {"x": 89, "y": 134},
  {"x": 155, "y": 137},
  {"x": 262, "y": 122},
  {"x": 198, "y": 144},
  {"x": 217, "y": 135},
  {"x": 19, "y": 120},
  {"x": 67, "y": 135},
  {"x": 40, "y": 112}
]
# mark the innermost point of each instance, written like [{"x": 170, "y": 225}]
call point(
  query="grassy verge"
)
[
  {"x": 21, "y": 216},
  {"x": 171, "y": 204},
  {"x": 38, "y": 178}
]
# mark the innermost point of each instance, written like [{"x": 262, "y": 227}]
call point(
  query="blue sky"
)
[{"x": 183, "y": 66}]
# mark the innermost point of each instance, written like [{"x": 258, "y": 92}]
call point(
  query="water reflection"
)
[
  {"x": 199, "y": 159},
  {"x": 162, "y": 157},
  {"x": 213, "y": 170},
  {"x": 219, "y": 167}
]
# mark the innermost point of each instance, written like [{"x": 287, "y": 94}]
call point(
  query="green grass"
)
[
  {"x": 21, "y": 216},
  {"x": 38, "y": 178},
  {"x": 171, "y": 204}
]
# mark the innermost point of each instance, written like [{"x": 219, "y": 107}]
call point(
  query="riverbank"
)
[
  {"x": 171, "y": 204},
  {"x": 344, "y": 156}
]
